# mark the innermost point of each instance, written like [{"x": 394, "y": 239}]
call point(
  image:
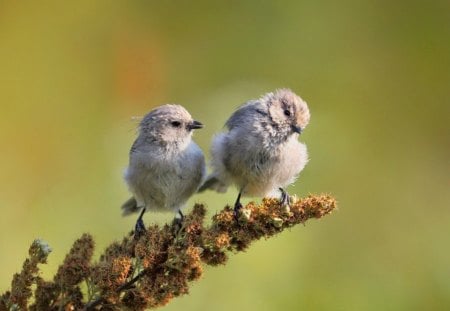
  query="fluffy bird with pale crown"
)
[
  {"x": 166, "y": 166},
  {"x": 260, "y": 153}
]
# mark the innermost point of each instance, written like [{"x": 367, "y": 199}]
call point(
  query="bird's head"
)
[
  {"x": 168, "y": 124},
  {"x": 288, "y": 113}
]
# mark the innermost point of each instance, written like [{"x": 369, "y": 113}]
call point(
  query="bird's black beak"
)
[
  {"x": 194, "y": 125},
  {"x": 297, "y": 129}
]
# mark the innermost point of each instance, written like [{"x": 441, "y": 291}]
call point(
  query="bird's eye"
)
[
  {"x": 175, "y": 123},
  {"x": 287, "y": 113}
]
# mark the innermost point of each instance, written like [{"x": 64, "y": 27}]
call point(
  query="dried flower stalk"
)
[{"x": 137, "y": 274}]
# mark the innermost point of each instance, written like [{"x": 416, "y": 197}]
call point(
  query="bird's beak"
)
[
  {"x": 194, "y": 125},
  {"x": 297, "y": 129}
]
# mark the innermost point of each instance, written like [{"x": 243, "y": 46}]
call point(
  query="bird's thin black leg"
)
[
  {"x": 178, "y": 221},
  {"x": 139, "y": 228},
  {"x": 181, "y": 215},
  {"x": 237, "y": 206},
  {"x": 284, "y": 200}
]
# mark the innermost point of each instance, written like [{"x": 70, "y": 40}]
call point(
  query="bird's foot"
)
[
  {"x": 236, "y": 211},
  {"x": 237, "y": 207},
  {"x": 178, "y": 224},
  {"x": 139, "y": 227},
  {"x": 284, "y": 199}
]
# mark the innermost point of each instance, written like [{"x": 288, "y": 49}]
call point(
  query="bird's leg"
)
[
  {"x": 139, "y": 228},
  {"x": 237, "y": 206},
  {"x": 178, "y": 221},
  {"x": 181, "y": 215},
  {"x": 284, "y": 200}
]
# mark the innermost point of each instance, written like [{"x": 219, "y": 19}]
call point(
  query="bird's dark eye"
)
[
  {"x": 287, "y": 113},
  {"x": 175, "y": 123}
]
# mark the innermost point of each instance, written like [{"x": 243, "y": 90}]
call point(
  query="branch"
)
[{"x": 150, "y": 271}]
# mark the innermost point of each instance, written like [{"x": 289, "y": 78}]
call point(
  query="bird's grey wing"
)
[
  {"x": 246, "y": 112},
  {"x": 146, "y": 177},
  {"x": 194, "y": 176},
  {"x": 130, "y": 206},
  {"x": 134, "y": 147}
]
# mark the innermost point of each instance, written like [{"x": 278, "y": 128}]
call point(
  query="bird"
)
[
  {"x": 166, "y": 166},
  {"x": 260, "y": 152}
]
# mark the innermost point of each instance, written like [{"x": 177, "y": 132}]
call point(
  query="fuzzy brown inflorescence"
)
[{"x": 148, "y": 272}]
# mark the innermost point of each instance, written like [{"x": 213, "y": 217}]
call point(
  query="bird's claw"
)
[
  {"x": 177, "y": 225},
  {"x": 236, "y": 211},
  {"x": 284, "y": 200},
  {"x": 139, "y": 228}
]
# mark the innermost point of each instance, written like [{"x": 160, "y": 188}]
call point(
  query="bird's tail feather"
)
[
  {"x": 130, "y": 207},
  {"x": 213, "y": 183}
]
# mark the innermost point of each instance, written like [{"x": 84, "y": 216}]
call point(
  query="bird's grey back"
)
[{"x": 245, "y": 113}]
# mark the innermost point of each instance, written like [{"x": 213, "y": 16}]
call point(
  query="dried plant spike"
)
[
  {"x": 149, "y": 272},
  {"x": 39, "y": 250},
  {"x": 76, "y": 267},
  {"x": 21, "y": 290}
]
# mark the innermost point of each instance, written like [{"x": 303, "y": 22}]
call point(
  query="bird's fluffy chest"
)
[
  {"x": 166, "y": 167},
  {"x": 165, "y": 180},
  {"x": 260, "y": 166}
]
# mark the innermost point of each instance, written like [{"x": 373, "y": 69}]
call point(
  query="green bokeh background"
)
[{"x": 376, "y": 75}]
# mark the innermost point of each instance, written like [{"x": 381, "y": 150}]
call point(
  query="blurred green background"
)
[{"x": 376, "y": 75}]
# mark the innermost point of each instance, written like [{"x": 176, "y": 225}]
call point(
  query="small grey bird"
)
[
  {"x": 260, "y": 153},
  {"x": 166, "y": 166}
]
